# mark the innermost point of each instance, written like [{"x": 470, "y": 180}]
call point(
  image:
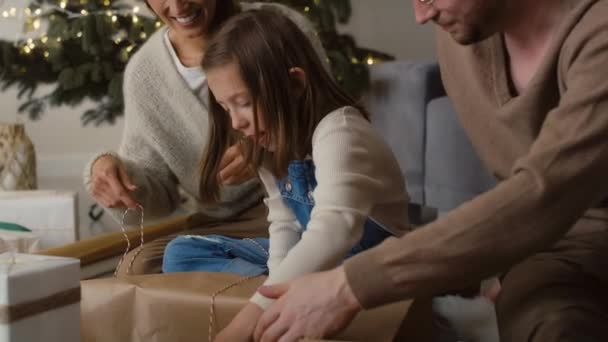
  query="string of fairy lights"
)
[{"x": 32, "y": 20}]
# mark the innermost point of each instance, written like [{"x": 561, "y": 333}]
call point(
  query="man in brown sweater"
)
[{"x": 529, "y": 82}]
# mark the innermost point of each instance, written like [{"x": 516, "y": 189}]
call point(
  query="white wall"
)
[
  {"x": 389, "y": 26},
  {"x": 386, "y": 25}
]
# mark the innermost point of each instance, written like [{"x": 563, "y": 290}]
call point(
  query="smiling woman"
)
[{"x": 190, "y": 23}]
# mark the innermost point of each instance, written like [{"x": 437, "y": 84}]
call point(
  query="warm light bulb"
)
[
  {"x": 370, "y": 60},
  {"x": 5, "y": 14},
  {"x": 62, "y": 4},
  {"x": 36, "y": 24},
  {"x": 13, "y": 11},
  {"x": 44, "y": 39},
  {"x": 79, "y": 34},
  {"x": 114, "y": 18},
  {"x": 46, "y": 54},
  {"x": 135, "y": 19},
  {"x": 38, "y": 11},
  {"x": 84, "y": 12},
  {"x": 136, "y": 9}
]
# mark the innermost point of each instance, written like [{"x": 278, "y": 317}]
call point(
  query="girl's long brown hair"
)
[{"x": 266, "y": 45}]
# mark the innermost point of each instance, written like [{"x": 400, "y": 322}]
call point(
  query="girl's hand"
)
[
  {"x": 110, "y": 184},
  {"x": 242, "y": 326},
  {"x": 233, "y": 170}
]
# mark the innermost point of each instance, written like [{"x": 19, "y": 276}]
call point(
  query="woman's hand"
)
[
  {"x": 242, "y": 326},
  {"x": 233, "y": 170},
  {"x": 110, "y": 184}
]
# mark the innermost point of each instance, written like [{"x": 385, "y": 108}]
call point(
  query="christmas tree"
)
[{"x": 81, "y": 47}]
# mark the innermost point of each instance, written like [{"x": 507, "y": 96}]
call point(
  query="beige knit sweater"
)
[
  {"x": 166, "y": 131},
  {"x": 548, "y": 146}
]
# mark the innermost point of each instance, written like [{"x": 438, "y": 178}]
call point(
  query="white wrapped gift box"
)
[
  {"x": 39, "y": 298},
  {"x": 51, "y": 215}
]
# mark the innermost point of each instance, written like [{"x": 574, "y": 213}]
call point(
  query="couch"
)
[{"x": 410, "y": 107}]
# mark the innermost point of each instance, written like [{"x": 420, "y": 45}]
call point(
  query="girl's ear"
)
[{"x": 298, "y": 80}]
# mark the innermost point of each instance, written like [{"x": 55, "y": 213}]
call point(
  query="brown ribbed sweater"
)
[{"x": 548, "y": 146}]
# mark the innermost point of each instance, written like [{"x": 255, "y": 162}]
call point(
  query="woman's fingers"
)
[{"x": 111, "y": 185}]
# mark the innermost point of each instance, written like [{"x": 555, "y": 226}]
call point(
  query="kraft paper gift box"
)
[
  {"x": 50, "y": 215},
  {"x": 175, "y": 307},
  {"x": 39, "y": 298}
]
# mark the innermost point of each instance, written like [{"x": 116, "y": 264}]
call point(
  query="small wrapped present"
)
[
  {"x": 39, "y": 298},
  {"x": 176, "y": 307},
  {"x": 50, "y": 215}
]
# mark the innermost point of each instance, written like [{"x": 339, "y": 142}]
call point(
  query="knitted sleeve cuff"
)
[{"x": 261, "y": 301}]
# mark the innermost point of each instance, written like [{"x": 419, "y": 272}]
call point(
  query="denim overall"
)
[{"x": 248, "y": 257}]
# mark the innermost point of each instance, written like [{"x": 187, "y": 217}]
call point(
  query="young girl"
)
[{"x": 334, "y": 187}]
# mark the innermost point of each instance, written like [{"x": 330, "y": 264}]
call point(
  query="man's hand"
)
[
  {"x": 233, "y": 170},
  {"x": 316, "y": 305},
  {"x": 110, "y": 184},
  {"x": 242, "y": 325}
]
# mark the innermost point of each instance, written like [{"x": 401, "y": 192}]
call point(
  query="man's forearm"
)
[{"x": 480, "y": 238}]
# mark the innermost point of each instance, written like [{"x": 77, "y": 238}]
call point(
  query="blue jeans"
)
[
  {"x": 247, "y": 257},
  {"x": 215, "y": 253}
]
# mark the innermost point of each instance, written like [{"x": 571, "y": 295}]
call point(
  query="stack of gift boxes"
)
[{"x": 39, "y": 295}]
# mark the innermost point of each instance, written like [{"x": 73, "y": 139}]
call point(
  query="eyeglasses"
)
[{"x": 427, "y": 2}]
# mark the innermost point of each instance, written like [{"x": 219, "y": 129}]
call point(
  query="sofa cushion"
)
[
  {"x": 397, "y": 103},
  {"x": 454, "y": 172}
]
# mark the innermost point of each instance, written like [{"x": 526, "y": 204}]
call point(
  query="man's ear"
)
[{"x": 298, "y": 80}]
